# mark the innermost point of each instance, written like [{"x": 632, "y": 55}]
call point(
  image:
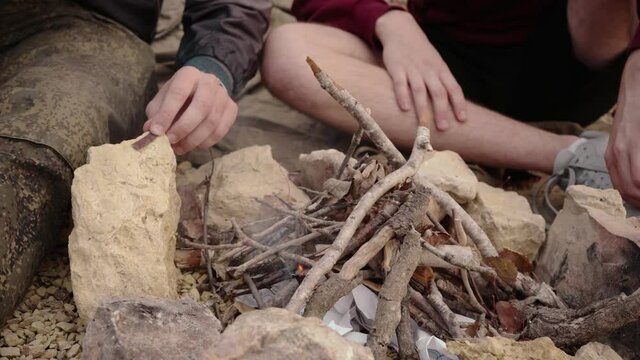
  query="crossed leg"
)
[{"x": 487, "y": 137}]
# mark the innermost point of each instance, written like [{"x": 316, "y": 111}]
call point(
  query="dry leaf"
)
[
  {"x": 337, "y": 188},
  {"x": 423, "y": 275},
  {"x": 472, "y": 330},
  {"x": 521, "y": 262},
  {"x": 438, "y": 238},
  {"x": 505, "y": 269},
  {"x": 511, "y": 318}
]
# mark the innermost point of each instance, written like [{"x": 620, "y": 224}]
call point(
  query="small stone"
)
[
  {"x": 69, "y": 308},
  {"x": 51, "y": 290},
  {"x": 14, "y": 327},
  {"x": 35, "y": 299},
  {"x": 320, "y": 165},
  {"x": 41, "y": 291},
  {"x": 38, "y": 327},
  {"x": 447, "y": 171},
  {"x": 12, "y": 340},
  {"x": 188, "y": 278},
  {"x": 50, "y": 353},
  {"x": 64, "y": 345},
  {"x": 194, "y": 294},
  {"x": 9, "y": 351},
  {"x": 73, "y": 351},
  {"x": 67, "y": 327}
]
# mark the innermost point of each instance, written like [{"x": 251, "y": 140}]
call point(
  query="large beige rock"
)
[
  {"x": 507, "y": 219},
  {"x": 447, "y": 170},
  {"x": 243, "y": 177},
  {"x": 320, "y": 165},
  {"x": 500, "y": 348},
  {"x": 592, "y": 249},
  {"x": 279, "y": 334},
  {"x": 125, "y": 214}
]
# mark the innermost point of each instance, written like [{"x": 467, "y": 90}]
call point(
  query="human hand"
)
[
  {"x": 418, "y": 71},
  {"x": 193, "y": 109},
  {"x": 623, "y": 151}
]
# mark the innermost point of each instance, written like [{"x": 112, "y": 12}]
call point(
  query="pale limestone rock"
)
[
  {"x": 125, "y": 213},
  {"x": 592, "y": 248},
  {"x": 279, "y": 334},
  {"x": 597, "y": 351},
  {"x": 507, "y": 219},
  {"x": 320, "y": 165},
  {"x": 241, "y": 178},
  {"x": 500, "y": 348},
  {"x": 447, "y": 170}
]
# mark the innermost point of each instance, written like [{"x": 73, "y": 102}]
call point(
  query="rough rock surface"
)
[
  {"x": 154, "y": 329},
  {"x": 320, "y": 165},
  {"x": 592, "y": 251},
  {"x": 450, "y": 173},
  {"x": 241, "y": 178},
  {"x": 278, "y": 334},
  {"x": 507, "y": 219},
  {"x": 125, "y": 214},
  {"x": 499, "y": 348}
]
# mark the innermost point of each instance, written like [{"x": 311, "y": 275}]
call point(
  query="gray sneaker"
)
[{"x": 583, "y": 164}]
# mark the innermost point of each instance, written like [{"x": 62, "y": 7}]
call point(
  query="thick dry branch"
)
[
  {"x": 284, "y": 254},
  {"x": 436, "y": 300},
  {"x": 326, "y": 263},
  {"x": 570, "y": 329},
  {"x": 455, "y": 260},
  {"x": 330, "y": 291},
  {"x": 404, "y": 333},
  {"x": 394, "y": 289},
  {"x": 360, "y": 113},
  {"x": 371, "y": 227},
  {"x": 472, "y": 229}
]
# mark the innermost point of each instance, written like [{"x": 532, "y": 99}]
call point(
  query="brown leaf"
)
[
  {"x": 521, "y": 262},
  {"x": 472, "y": 330},
  {"x": 511, "y": 318},
  {"x": 505, "y": 269},
  {"x": 437, "y": 238},
  {"x": 423, "y": 275}
]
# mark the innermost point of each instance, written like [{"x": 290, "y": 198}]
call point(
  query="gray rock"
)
[
  {"x": 279, "y": 334},
  {"x": 137, "y": 328}
]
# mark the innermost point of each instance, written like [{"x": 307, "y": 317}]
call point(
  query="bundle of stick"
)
[{"x": 423, "y": 267}]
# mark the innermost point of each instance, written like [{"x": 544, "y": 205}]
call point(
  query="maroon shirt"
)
[{"x": 484, "y": 22}]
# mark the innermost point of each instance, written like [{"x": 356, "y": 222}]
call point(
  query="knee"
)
[{"x": 283, "y": 43}]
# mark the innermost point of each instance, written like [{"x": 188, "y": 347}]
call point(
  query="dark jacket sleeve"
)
[
  {"x": 224, "y": 37},
  {"x": 355, "y": 16}
]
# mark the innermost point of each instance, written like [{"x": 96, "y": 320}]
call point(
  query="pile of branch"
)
[{"x": 383, "y": 236}]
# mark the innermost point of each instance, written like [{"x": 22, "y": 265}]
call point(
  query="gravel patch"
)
[{"x": 45, "y": 325}]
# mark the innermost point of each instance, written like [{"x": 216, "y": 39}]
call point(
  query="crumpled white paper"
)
[{"x": 356, "y": 312}]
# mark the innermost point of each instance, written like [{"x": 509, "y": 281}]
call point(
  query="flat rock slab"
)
[
  {"x": 153, "y": 329},
  {"x": 125, "y": 213},
  {"x": 279, "y": 334}
]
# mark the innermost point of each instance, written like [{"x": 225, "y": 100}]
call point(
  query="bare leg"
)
[
  {"x": 601, "y": 29},
  {"x": 487, "y": 137}
]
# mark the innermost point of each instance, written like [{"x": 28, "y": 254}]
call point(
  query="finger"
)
[
  {"x": 177, "y": 93},
  {"x": 145, "y": 126},
  {"x": 634, "y": 165},
  {"x": 199, "y": 108},
  {"x": 419, "y": 94},
  {"x": 401, "y": 89},
  {"x": 154, "y": 104},
  {"x": 228, "y": 118},
  {"x": 439, "y": 100},
  {"x": 456, "y": 96},
  {"x": 205, "y": 129},
  {"x": 621, "y": 177}
]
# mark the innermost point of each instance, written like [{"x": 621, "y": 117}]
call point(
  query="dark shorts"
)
[{"x": 540, "y": 80}]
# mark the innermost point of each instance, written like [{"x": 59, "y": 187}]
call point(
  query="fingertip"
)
[
  {"x": 462, "y": 115},
  {"x": 146, "y": 125},
  {"x": 442, "y": 125},
  {"x": 156, "y": 129},
  {"x": 173, "y": 138}
]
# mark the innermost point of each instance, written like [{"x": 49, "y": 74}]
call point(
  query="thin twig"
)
[
  {"x": 451, "y": 259},
  {"x": 205, "y": 235},
  {"x": 284, "y": 254},
  {"x": 254, "y": 290},
  {"x": 196, "y": 245},
  {"x": 462, "y": 239},
  {"x": 355, "y": 141},
  {"x": 436, "y": 300},
  {"x": 300, "y": 215}
]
